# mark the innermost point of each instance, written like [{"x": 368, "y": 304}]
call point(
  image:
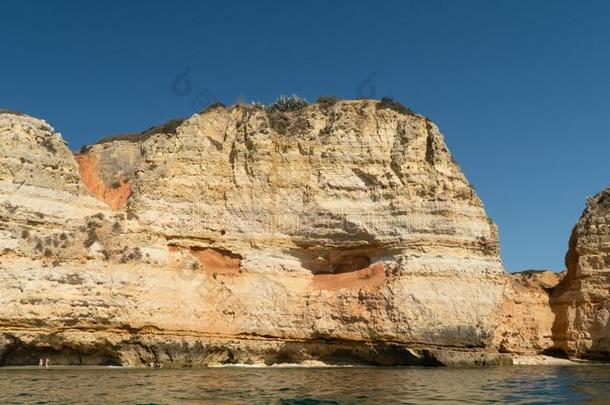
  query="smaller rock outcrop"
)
[{"x": 582, "y": 300}]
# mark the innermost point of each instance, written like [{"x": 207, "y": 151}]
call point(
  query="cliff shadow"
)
[{"x": 19, "y": 354}]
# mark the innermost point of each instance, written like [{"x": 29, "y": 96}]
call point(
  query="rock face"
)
[
  {"x": 526, "y": 318},
  {"x": 582, "y": 300},
  {"x": 339, "y": 232}
]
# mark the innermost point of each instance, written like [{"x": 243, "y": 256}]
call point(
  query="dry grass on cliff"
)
[
  {"x": 7, "y": 111},
  {"x": 279, "y": 114},
  {"x": 326, "y": 102},
  {"x": 213, "y": 106},
  {"x": 390, "y": 103},
  {"x": 168, "y": 127}
]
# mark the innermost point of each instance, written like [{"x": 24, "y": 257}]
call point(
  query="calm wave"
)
[{"x": 523, "y": 385}]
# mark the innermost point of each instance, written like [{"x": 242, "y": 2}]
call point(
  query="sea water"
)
[{"x": 98, "y": 385}]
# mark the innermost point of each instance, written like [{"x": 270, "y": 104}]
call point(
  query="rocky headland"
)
[{"x": 340, "y": 232}]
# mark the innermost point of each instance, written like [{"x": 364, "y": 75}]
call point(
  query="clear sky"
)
[{"x": 519, "y": 88}]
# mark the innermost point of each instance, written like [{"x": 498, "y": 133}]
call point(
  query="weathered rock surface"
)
[
  {"x": 341, "y": 232},
  {"x": 582, "y": 299}
]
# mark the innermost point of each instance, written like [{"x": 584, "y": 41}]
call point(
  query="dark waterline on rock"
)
[{"x": 88, "y": 385}]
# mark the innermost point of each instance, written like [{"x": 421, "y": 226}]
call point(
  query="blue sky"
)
[{"x": 519, "y": 88}]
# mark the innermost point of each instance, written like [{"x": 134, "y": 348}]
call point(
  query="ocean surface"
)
[{"x": 349, "y": 385}]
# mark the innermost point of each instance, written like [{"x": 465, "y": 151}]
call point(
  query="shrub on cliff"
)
[
  {"x": 279, "y": 122},
  {"x": 278, "y": 112},
  {"x": 392, "y": 104},
  {"x": 168, "y": 127},
  {"x": 327, "y": 101},
  {"x": 287, "y": 103},
  {"x": 214, "y": 106},
  {"x": 6, "y": 111}
]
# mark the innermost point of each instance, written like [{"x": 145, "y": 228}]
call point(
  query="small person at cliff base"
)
[
  {"x": 40, "y": 362},
  {"x": 46, "y": 362}
]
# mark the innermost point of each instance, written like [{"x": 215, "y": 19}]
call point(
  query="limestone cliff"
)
[
  {"x": 582, "y": 300},
  {"x": 341, "y": 231}
]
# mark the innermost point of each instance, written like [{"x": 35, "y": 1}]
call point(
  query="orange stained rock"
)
[{"x": 115, "y": 197}]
